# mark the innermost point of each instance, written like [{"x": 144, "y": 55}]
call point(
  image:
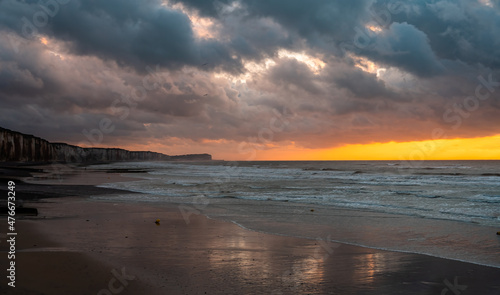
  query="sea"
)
[{"x": 447, "y": 209}]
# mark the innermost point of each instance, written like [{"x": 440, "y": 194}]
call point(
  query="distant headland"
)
[{"x": 19, "y": 147}]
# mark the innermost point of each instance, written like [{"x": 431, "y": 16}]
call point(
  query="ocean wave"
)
[{"x": 485, "y": 199}]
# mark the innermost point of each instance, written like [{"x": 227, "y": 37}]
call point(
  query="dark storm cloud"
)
[
  {"x": 291, "y": 73},
  {"x": 332, "y": 19},
  {"x": 360, "y": 83},
  {"x": 129, "y": 32},
  {"x": 422, "y": 34},
  {"x": 17, "y": 81},
  {"x": 405, "y": 47},
  {"x": 139, "y": 34},
  {"x": 255, "y": 39},
  {"x": 308, "y": 18},
  {"x": 143, "y": 33},
  {"x": 97, "y": 52},
  {"x": 457, "y": 29},
  {"x": 23, "y": 74},
  {"x": 205, "y": 7},
  {"x": 14, "y": 13}
]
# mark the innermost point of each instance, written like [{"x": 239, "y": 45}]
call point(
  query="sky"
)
[{"x": 256, "y": 79}]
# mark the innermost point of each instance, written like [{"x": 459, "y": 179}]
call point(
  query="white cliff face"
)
[
  {"x": 15, "y": 146},
  {"x": 18, "y": 147}
]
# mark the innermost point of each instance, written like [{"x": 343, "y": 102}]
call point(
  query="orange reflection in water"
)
[
  {"x": 368, "y": 266},
  {"x": 260, "y": 260},
  {"x": 308, "y": 270}
]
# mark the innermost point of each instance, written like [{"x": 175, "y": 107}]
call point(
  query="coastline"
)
[
  {"x": 374, "y": 213},
  {"x": 359, "y": 228},
  {"x": 212, "y": 256}
]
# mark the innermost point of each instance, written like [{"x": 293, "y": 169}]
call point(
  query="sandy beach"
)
[
  {"x": 250, "y": 147},
  {"x": 80, "y": 245}
]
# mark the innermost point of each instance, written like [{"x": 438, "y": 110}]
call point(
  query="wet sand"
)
[{"x": 74, "y": 243}]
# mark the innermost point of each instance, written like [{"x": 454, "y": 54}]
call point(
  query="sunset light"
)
[
  {"x": 485, "y": 148},
  {"x": 218, "y": 78},
  {"x": 250, "y": 147}
]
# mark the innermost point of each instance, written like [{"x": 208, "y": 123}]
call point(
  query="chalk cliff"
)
[{"x": 19, "y": 147}]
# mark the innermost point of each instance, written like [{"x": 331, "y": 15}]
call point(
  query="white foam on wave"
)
[
  {"x": 426, "y": 195},
  {"x": 471, "y": 198}
]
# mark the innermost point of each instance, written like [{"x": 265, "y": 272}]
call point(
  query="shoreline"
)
[
  {"x": 276, "y": 221},
  {"x": 166, "y": 257},
  {"x": 279, "y": 231},
  {"x": 366, "y": 246},
  {"x": 477, "y": 242},
  {"x": 97, "y": 177},
  {"x": 192, "y": 208},
  {"x": 215, "y": 256}
]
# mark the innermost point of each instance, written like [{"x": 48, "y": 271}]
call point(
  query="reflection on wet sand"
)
[
  {"x": 221, "y": 258},
  {"x": 369, "y": 265}
]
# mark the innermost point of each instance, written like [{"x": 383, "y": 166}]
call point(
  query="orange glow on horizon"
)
[{"x": 484, "y": 148}]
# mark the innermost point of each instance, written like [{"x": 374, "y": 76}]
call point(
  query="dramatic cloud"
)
[{"x": 228, "y": 76}]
